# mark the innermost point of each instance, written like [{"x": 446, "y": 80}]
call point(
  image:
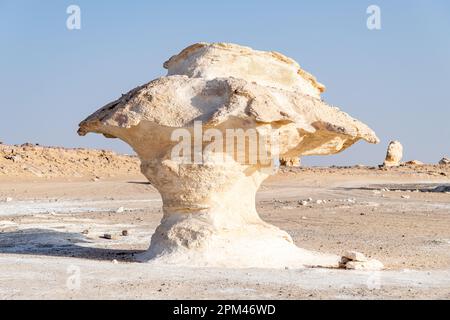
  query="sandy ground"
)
[{"x": 51, "y": 243}]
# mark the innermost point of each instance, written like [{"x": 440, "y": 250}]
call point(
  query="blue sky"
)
[{"x": 397, "y": 79}]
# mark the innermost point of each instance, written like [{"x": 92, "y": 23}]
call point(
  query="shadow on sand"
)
[
  {"x": 421, "y": 187},
  {"x": 59, "y": 244}
]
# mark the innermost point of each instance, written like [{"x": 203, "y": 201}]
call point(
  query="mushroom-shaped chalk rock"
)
[{"x": 208, "y": 134}]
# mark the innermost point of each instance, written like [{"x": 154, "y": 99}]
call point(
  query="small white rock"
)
[
  {"x": 405, "y": 196},
  {"x": 303, "y": 203},
  {"x": 355, "y": 256},
  {"x": 120, "y": 210},
  {"x": 9, "y": 199},
  {"x": 319, "y": 201},
  {"x": 371, "y": 265},
  {"x": 115, "y": 261}
]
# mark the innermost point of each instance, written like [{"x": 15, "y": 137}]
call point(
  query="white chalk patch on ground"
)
[
  {"x": 50, "y": 276},
  {"x": 30, "y": 207}
]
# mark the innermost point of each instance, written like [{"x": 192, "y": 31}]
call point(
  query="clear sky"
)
[{"x": 397, "y": 79}]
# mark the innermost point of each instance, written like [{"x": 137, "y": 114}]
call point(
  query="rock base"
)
[{"x": 252, "y": 246}]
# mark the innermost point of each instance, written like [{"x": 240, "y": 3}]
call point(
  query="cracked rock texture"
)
[{"x": 209, "y": 205}]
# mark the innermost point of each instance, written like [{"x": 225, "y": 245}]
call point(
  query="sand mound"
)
[{"x": 32, "y": 161}]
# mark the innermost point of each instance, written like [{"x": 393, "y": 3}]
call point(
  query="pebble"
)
[
  {"x": 115, "y": 261},
  {"x": 107, "y": 236},
  {"x": 405, "y": 196},
  {"x": 8, "y": 199},
  {"x": 319, "y": 201},
  {"x": 120, "y": 210},
  {"x": 124, "y": 233}
]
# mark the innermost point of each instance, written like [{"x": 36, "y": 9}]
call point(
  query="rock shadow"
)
[{"x": 59, "y": 244}]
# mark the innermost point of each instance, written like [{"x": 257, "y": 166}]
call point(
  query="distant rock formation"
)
[
  {"x": 394, "y": 154},
  {"x": 290, "y": 162},
  {"x": 179, "y": 126}
]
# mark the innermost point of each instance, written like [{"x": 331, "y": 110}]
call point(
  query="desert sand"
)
[{"x": 52, "y": 229}]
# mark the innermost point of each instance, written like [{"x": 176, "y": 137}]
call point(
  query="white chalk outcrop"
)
[
  {"x": 394, "y": 154},
  {"x": 209, "y": 204}
]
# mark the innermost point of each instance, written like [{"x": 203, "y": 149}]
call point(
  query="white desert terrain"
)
[{"x": 53, "y": 219}]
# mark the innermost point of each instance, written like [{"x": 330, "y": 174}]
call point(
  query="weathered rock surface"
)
[
  {"x": 209, "y": 195},
  {"x": 394, "y": 154},
  {"x": 224, "y": 60}
]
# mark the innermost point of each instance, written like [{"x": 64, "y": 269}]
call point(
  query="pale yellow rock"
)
[
  {"x": 209, "y": 210},
  {"x": 394, "y": 154}
]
